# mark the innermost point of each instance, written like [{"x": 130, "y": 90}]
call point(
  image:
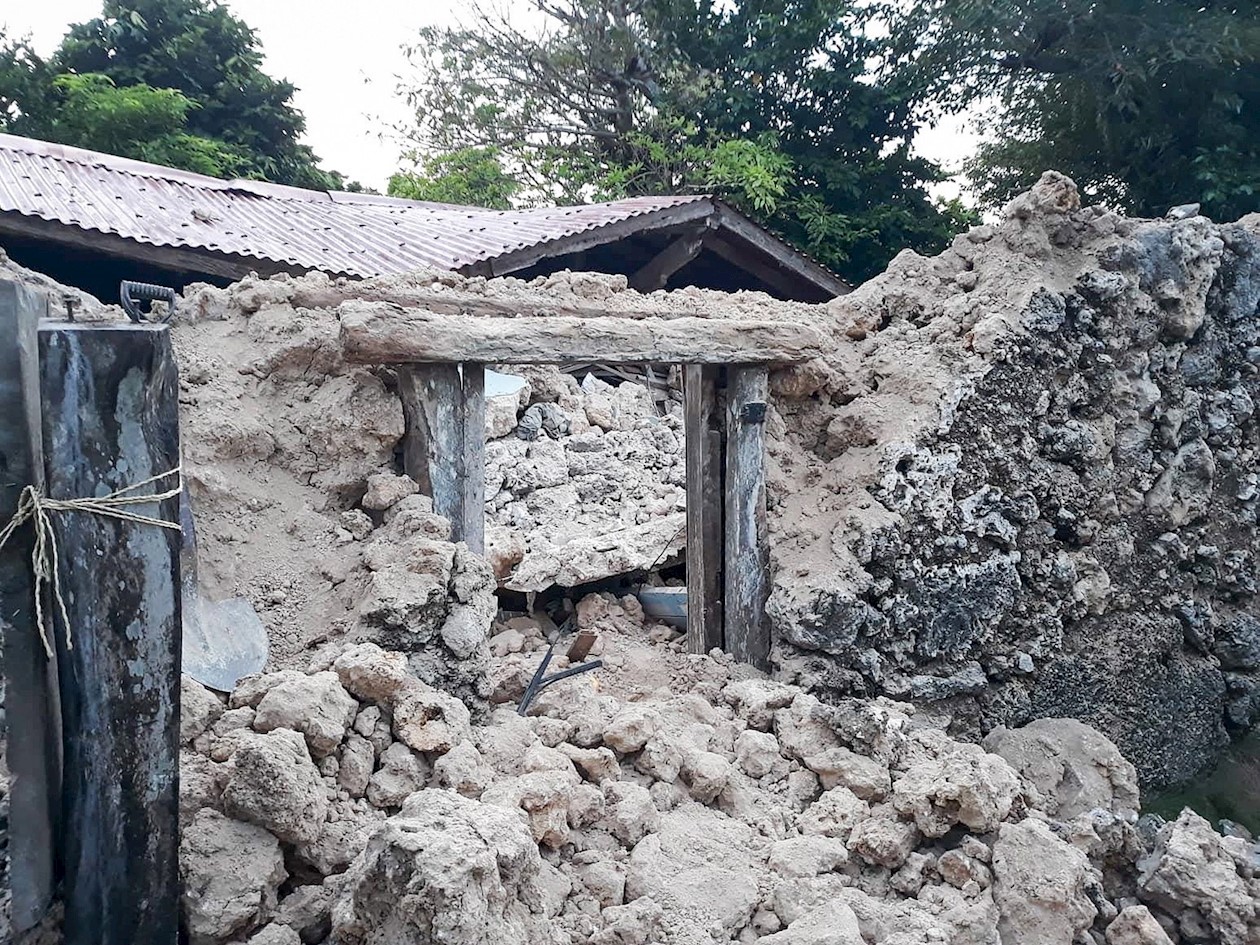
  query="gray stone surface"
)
[
  {"x": 1037, "y": 486},
  {"x": 1068, "y": 767}
]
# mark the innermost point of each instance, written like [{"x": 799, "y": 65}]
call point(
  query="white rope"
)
[{"x": 36, "y": 508}]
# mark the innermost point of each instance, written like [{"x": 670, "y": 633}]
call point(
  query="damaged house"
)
[{"x": 987, "y": 523}]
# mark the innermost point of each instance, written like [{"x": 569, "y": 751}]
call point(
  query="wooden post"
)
[
  {"x": 702, "y": 420},
  {"x": 110, "y": 421},
  {"x": 747, "y": 557},
  {"x": 444, "y": 447},
  {"x": 473, "y": 465},
  {"x": 33, "y": 736},
  {"x": 415, "y": 443}
]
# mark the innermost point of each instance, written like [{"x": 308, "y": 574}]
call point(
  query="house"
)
[{"x": 90, "y": 219}]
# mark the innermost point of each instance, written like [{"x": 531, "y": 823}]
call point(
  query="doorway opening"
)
[{"x": 441, "y": 360}]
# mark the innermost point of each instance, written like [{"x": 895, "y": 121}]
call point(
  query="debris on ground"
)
[{"x": 668, "y": 798}]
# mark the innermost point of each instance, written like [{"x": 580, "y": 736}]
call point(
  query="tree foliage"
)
[
  {"x": 1146, "y": 103},
  {"x": 178, "y": 82},
  {"x": 139, "y": 121},
  {"x": 765, "y": 102},
  {"x": 25, "y": 82},
  {"x": 468, "y": 176}
]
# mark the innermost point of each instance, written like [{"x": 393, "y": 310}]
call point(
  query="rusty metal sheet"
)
[{"x": 350, "y": 234}]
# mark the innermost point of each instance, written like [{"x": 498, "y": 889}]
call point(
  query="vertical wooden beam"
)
[
  {"x": 32, "y": 720},
  {"x": 444, "y": 447},
  {"x": 702, "y": 422},
  {"x": 747, "y": 557},
  {"x": 111, "y": 420},
  {"x": 415, "y": 443},
  {"x": 473, "y": 465}
]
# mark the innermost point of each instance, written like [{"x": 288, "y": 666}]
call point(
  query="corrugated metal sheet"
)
[{"x": 350, "y": 234}]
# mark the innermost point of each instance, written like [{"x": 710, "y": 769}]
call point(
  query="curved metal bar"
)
[
  {"x": 130, "y": 293},
  {"x": 540, "y": 681}
]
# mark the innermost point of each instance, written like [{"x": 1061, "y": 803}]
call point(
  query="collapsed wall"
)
[
  {"x": 1027, "y": 485},
  {"x": 1022, "y": 483},
  {"x": 283, "y": 440},
  {"x": 289, "y": 456},
  {"x": 674, "y": 799}
]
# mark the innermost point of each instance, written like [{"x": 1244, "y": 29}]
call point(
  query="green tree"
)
[
  {"x": 764, "y": 102},
  {"x": 468, "y": 177},
  {"x": 571, "y": 111},
  {"x": 1146, "y": 103},
  {"x": 25, "y": 83},
  {"x": 801, "y": 70},
  {"x": 175, "y": 81},
  {"x": 137, "y": 121}
]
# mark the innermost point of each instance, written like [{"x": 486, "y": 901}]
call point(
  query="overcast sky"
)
[{"x": 344, "y": 58}]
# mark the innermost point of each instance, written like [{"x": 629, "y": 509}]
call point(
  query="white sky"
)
[{"x": 344, "y": 57}]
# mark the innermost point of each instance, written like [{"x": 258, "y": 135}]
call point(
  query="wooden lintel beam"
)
[
  {"x": 522, "y": 302},
  {"x": 380, "y": 333},
  {"x": 655, "y": 275}
]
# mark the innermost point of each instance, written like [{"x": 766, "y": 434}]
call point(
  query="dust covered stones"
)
[
  {"x": 682, "y": 800},
  {"x": 444, "y": 869}
]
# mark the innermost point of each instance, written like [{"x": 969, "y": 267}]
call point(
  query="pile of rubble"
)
[
  {"x": 599, "y": 494},
  {"x": 668, "y": 798},
  {"x": 1026, "y": 482}
]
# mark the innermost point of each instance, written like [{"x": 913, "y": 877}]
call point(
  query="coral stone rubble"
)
[{"x": 669, "y": 799}]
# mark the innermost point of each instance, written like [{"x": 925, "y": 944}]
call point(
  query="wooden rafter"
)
[
  {"x": 791, "y": 264},
  {"x": 656, "y": 274}
]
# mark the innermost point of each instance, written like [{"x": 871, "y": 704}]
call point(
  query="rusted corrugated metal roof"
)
[{"x": 351, "y": 234}]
